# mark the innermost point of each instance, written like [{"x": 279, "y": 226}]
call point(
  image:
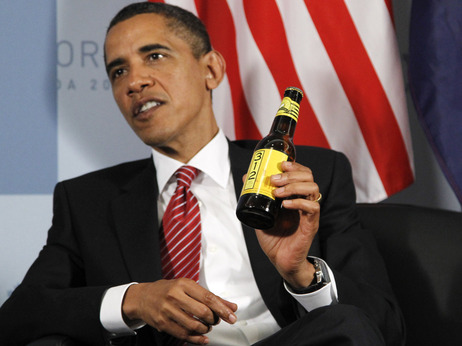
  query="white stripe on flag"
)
[
  {"x": 382, "y": 48},
  {"x": 263, "y": 97}
]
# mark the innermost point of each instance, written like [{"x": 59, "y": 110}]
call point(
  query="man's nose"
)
[{"x": 139, "y": 80}]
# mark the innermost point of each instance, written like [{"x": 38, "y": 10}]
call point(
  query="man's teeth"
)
[{"x": 149, "y": 105}]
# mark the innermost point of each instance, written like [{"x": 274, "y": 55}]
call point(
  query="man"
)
[{"x": 100, "y": 276}]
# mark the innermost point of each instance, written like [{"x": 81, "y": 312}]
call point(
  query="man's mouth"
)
[{"x": 146, "y": 106}]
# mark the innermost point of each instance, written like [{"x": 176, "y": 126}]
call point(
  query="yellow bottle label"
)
[
  {"x": 289, "y": 108},
  {"x": 264, "y": 164}
]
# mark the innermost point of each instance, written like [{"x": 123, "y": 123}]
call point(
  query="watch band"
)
[{"x": 318, "y": 279}]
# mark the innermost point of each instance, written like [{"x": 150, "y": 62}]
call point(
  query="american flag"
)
[{"x": 342, "y": 53}]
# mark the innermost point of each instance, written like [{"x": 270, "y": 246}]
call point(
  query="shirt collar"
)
[{"x": 212, "y": 160}]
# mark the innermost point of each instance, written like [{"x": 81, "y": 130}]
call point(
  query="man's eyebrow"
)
[
  {"x": 150, "y": 47},
  {"x": 114, "y": 63},
  {"x": 144, "y": 49}
]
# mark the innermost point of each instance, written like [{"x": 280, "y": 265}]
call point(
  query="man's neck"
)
[{"x": 187, "y": 149}]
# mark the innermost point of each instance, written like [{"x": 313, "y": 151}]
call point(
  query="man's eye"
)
[
  {"x": 156, "y": 56},
  {"x": 117, "y": 73}
]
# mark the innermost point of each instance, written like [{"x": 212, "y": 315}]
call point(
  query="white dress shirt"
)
[{"x": 224, "y": 266}]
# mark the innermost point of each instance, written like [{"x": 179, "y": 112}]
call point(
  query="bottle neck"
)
[{"x": 284, "y": 126}]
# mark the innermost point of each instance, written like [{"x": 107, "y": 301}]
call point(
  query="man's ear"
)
[{"x": 215, "y": 69}]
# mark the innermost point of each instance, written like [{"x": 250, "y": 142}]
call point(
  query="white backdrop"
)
[
  {"x": 27, "y": 134},
  {"x": 91, "y": 131}
]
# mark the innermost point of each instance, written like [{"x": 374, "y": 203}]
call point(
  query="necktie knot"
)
[{"x": 185, "y": 175}]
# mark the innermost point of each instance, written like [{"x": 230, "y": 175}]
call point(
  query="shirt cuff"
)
[
  {"x": 326, "y": 295},
  {"x": 111, "y": 312}
]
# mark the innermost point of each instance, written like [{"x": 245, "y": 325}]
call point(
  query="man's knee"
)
[
  {"x": 340, "y": 325},
  {"x": 347, "y": 315},
  {"x": 345, "y": 325}
]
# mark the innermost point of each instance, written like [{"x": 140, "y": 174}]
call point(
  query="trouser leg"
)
[{"x": 334, "y": 325}]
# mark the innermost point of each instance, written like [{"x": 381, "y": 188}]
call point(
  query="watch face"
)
[{"x": 320, "y": 279}]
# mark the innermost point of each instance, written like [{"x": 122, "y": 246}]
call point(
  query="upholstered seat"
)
[{"x": 422, "y": 248}]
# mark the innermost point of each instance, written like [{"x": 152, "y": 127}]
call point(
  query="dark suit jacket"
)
[{"x": 105, "y": 233}]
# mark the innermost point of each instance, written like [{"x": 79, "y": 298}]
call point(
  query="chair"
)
[{"x": 422, "y": 248}]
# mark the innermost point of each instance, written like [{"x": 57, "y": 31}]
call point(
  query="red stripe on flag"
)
[
  {"x": 268, "y": 31},
  {"x": 390, "y": 8},
  {"x": 364, "y": 91},
  {"x": 217, "y": 17}
]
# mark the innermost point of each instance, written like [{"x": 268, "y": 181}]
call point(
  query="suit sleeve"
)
[
  {"x": 352, "y": 254},
  {"x": 53, "y": 297}
]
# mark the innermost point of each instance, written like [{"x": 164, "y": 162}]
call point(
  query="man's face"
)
[{"x": 157, "y": 83}]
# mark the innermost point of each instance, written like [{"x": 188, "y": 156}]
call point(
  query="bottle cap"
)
[{"x": 294, "y": 93}]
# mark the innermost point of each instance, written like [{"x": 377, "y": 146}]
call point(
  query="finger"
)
[
  {"x": 221, "y": 308},
  {"x": 179, "y": 322},
  {"x": 206, "y": 306},
  {"x": 303, "y": 205},
  {"x": 198, "y": 339},
  {"x": 194, "y": 315},
  {"x": 231, "y": 305},
  {"x": 304, "y": 190},
  {"x": 291, "y": 166},
  {"x": 180, "y": 332},
  {"x": 295, "y": 175},
  {"x": 192, "y": 323},
  {"x": 191, "y": 327}
]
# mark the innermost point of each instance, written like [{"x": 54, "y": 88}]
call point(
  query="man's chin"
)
[
  {"x": 149, "y": 138},
  {"x": 155, "y": 143}
]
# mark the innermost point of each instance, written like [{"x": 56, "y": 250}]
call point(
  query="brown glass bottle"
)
[{"x": 257, "y": 207}]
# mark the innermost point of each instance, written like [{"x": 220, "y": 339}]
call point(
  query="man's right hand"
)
[{"x": 179, "y": 307}]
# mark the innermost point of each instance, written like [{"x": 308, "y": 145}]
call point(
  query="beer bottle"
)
[{"x": 257, "y": 207}]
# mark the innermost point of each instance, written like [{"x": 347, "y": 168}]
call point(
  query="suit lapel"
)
[
  {"x": 269, "y": 282},
  {"x": 135, "y": 215}
]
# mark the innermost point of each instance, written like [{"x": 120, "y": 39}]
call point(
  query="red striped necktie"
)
[{"x": 181, "y": 241}]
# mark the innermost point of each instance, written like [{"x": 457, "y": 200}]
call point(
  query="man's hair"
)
[{"x": 183, "y": 23}]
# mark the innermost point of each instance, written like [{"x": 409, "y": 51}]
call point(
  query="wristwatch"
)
[{"x": 318, "y": 280}]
